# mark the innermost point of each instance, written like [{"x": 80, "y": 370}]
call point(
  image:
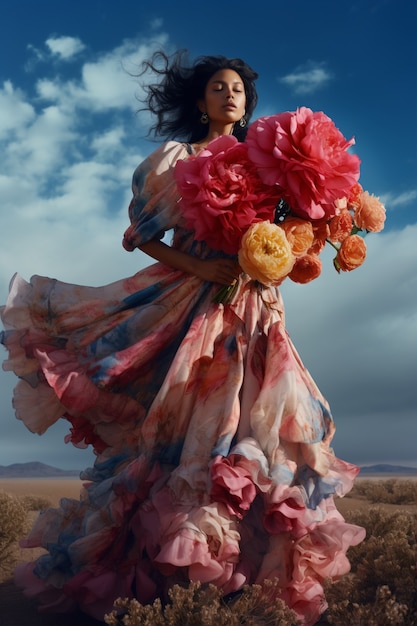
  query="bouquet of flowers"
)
[{"x": 276, "y": 199}]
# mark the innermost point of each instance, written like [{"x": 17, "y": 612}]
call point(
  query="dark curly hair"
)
[{"x": 173, "y": 100}]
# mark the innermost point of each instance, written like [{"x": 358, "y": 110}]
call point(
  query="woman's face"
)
[{"x": 225, "y": 98}]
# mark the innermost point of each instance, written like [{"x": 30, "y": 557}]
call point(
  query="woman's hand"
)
[{"x": 222, "y": 271}]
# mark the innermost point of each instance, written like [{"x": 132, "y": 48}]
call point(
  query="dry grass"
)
[
  {"x": 381, "y": 589},
  {"x": 13, "y": 515},
  {"x": 392, "y": 495},
  {"x": 20, "y": 502}
]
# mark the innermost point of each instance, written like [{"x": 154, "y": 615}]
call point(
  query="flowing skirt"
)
[{"x": 212, "y": 443}]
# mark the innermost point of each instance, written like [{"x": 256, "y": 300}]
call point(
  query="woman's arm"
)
[{"x": 222, "y": 271}]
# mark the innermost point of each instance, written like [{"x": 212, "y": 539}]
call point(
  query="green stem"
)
[
  {"x": 332, "y": 244},
  {"x": 226, "y": 293}
]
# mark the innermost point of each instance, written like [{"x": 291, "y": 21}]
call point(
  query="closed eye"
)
[{"x": 221, "y": 86}]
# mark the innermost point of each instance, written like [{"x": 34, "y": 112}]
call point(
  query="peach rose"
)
[
  {"x": 306, "y": 268},
  {"x": 340, "y": 226},
  {"x": 369, "y": 213},
  {"x": 265, "y": 254},
  {"x": 340, "y": 204},
  {"x": 299, "y": 233},
  {"x": 353, "y": 196},
  {"x": 351, "y": 254}
]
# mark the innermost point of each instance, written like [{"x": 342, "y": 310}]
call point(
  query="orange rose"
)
[
  {"x": 340, "y": 226},
  {"x": 265, "y": 253},
  {"x": 321, "y": 232},
  {"x": 299, "y": 233},
  {"x": 351, "y": 254},
  {"x": 369, "y": 213},
  {"x": 306, "y": 269}
]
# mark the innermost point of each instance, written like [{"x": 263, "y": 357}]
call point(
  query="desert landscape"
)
[
  {"x": 371, "y": 496},
  {"x": 15, "y": 609}
]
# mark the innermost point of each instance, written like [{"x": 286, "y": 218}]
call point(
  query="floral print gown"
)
[{"x": 212, "y": 442}]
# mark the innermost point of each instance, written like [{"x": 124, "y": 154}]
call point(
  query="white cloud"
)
[
  {"x": 41, "y": 145},
  {"x": 49, "y": 90},
  {"x": 73, "y": 233},
  {"x": 109, "y": 142},
  {"x": 106, "y": 84},
  {"x": 405, "y": 198},
  {"x": 65, "y": 47},
  {"x": 15, "y": 111},
  {"x": 65, "y": 173},
  {"x": 110, "y": 81},
  {"x": 307, "y": 78},
  {"x": 58, "y": 159}
]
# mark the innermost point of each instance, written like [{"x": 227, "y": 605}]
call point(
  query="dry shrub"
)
[
  {"x": 384, "y": 611},
  {"x": 198, "y": 605},
  {"x": 391, "y": 491},
  {"x": 381, "y": 589},
  {"x": 35, "y": 503},
  {"x": 13, "y": 516}
]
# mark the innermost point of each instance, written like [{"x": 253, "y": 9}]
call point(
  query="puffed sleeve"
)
[{"x": 154, "y": 207}]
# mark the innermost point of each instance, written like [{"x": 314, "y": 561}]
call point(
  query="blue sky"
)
[{"x": 70, "y": 138}]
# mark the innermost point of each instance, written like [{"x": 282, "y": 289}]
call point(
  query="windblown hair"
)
[{"x": 173, "y": 100}]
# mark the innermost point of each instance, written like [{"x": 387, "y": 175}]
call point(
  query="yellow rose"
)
[{"x": 265, "y": 253}]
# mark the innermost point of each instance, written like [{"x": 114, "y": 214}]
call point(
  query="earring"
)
[
  {"x": 204, "y": 119},
  {"x": 242, "y": 122}
]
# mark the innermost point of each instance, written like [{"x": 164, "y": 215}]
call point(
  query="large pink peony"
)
[
  {"x": 304, "y": 154},
  {"x": 222, "y": 194}
]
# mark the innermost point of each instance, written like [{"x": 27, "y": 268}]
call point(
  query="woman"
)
[{"x": 212, "y": 440}]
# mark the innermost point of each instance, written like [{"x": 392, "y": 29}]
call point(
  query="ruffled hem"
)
[{"x": 130, "y": 537}]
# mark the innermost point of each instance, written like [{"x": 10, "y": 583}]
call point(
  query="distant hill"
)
[
  {"x": 388, "y": 469},
  {"x": 35, "y": 470}
]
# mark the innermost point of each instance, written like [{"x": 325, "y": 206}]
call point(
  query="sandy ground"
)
[
  {"x": 15, "y": 609},
  {"x": 51, "y": 488}
]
